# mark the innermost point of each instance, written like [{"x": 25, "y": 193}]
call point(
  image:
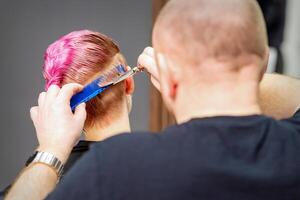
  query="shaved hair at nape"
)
[{"x": 226, "y": 30}]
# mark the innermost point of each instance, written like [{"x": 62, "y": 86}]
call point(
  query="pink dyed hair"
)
[
  {"x": 79, "y": 56},
  {"x": 72, "y": 54}
]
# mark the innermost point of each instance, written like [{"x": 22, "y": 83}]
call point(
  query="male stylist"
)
[{"x": 210, "y": 56}]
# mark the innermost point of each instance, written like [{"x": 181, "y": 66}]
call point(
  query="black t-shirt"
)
[
  {"x": 250, "y": 157},
  {"x": 77, "y": 152}
]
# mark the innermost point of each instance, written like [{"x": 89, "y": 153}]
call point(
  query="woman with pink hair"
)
[{"x": 80, "y": 57}]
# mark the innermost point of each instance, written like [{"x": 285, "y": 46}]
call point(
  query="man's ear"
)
[
  {"x": 168, "y": 71},
  {"x": 129, "y": 84}
]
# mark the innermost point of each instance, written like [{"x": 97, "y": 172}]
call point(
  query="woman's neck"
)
[{"x": 99, "y": 133}]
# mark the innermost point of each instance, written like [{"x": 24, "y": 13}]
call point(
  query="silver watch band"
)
[{"x": 50, "y": 160}]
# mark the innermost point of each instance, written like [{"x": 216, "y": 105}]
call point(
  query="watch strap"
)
[{"x": 50, "y": 160}]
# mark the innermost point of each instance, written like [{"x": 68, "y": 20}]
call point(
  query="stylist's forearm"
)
[
  {"x": 35, "y": 182},
  {"x": 58, "y": 129},
  {"x": 38, "y": 179}
]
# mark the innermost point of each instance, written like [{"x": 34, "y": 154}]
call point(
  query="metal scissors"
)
[{"x": 126, "y": 75}]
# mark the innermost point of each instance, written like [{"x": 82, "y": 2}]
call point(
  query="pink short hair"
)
[{"x": 76, "y": 58}]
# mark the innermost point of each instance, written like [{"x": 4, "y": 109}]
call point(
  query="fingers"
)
[
  {"x": 148, "y": 62},
  {"x": 52, "y": 91},
  {"x": 67, "y": 91},
  {"x": 34, "y": 113},
  {"x": 80, "y": 113},
  {"x": 41, "y": 99},
  {"x": 149, "y": 51},
  {"x": 51, "y": 94}
]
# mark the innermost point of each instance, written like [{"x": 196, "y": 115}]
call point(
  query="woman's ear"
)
[{"x": 129, "y": 84}]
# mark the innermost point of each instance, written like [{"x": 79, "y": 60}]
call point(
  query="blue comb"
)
[{"x": 97, "y": 86}]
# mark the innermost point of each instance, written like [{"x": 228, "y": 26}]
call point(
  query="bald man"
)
[{"x": 210, "y": 58}]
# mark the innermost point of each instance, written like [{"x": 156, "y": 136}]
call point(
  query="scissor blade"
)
[{"x": 126, "y": 75}]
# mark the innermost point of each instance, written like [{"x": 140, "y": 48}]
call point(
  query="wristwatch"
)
[{"x": 47, "y": 158}]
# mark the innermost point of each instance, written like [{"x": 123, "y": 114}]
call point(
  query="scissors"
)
[{"x": 126, "y": 75}]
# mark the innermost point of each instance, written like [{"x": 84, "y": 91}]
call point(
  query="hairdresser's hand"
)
[
  {"x": 57, "y": 127},
  {"x": 147, "y": 61}
]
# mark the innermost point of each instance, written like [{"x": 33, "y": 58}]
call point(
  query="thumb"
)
[
  {"x": 34, "y": 114},
  {"x": 80, "y": 113}
]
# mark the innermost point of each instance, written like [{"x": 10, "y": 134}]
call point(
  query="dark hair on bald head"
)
[{"x": 219, "y": 29}]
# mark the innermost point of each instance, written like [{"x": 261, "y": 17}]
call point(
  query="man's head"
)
[
  {"x": 201, "y": 42},
  {"x": 81, "y": 56}
]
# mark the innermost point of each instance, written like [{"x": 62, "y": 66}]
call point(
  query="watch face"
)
[{"x": 30, "y": 159}]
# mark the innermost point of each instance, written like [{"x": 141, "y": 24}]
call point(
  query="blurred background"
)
[{"x": 28, "y": 27}]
